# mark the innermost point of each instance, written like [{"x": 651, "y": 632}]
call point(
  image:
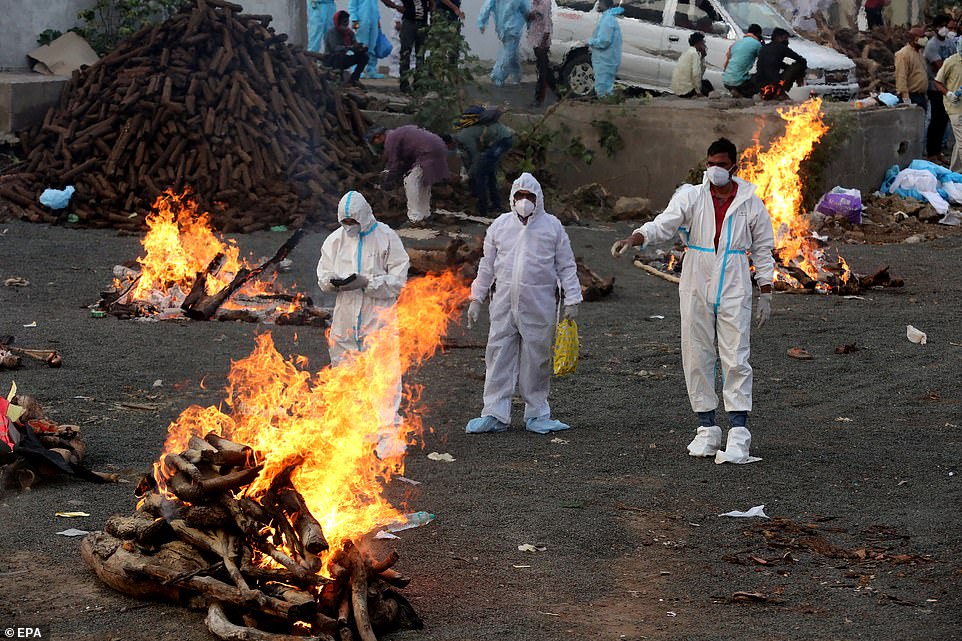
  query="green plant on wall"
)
[
  {"x": 110, "y": 22},
  {"x": 609, "y": 138},
  {"x": 841, "y": 125},
  {"x": 439, "y": 83}
]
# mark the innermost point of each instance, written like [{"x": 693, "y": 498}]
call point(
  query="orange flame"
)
[
  {"x": 332, "y": 419},
  {"x": 775, "y": 172}
]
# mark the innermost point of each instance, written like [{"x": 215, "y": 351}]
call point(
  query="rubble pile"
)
[
  {"x": 212, "y": 100},
  {"x": 872, "y": 52}
]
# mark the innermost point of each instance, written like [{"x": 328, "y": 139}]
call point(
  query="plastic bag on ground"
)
[
  {"x": 842, "y": 202},
  {"x": 57, "y": 198}
]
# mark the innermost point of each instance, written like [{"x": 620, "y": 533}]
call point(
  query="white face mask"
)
[
  {"x": 523, "y": 208},
  {"x": 352, "y": 230},
  {"x": 921, "y": 42},
  {"x": 944, "y": 31},
  {"x": 718, "y": 176}
]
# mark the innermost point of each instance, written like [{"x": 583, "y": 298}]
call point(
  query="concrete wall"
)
[
  {"x": 664, "y": 140},
  {"x": 23, "y": 20}
]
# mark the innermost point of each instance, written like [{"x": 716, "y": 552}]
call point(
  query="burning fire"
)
[
  {"x": 775, "y": 171},
  {"x": 329, "y": 422}
]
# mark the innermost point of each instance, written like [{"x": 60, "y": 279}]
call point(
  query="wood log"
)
[
  {"x": 359, "y": 578},
  {"x": 206, "y": 306},
  {"x": 655, "y": 272},
  {"x": 141, "y": 529},
  {"x": 308, "y": 528}
]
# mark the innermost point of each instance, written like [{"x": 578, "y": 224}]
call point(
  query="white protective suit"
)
[
  {"x": 716, "y": 290},
  {"x": 377, "y": 253},
  {"x": 526, "y": 264}
]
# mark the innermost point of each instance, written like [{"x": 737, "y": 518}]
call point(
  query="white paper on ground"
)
[
  {"x": 758, "y": 510},
  {"x": 527, "y": 547},
  {"x": 436, "y": 456},
  {"x": 915, "y": 335},
  {"x": 405, "y": 479},
  {"x": 73, "y": 532},
  {"x": 383, "y": 534}
]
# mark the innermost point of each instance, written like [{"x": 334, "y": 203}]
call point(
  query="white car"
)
[{"x": 655, "y": 33}]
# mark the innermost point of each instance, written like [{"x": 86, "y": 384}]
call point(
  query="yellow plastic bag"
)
[{"x": 566, "y": 346}]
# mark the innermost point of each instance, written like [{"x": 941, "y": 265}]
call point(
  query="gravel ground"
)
[{"x": 860, "y": 472}]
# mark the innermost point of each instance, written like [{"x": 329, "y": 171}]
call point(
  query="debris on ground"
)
[{"x": 873, "y": 52}]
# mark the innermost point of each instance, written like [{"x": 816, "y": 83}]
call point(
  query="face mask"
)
[
  {"x": 523, "y": 208},
  {"x": 944, "y": 31},
  {"x": 718, "y": 176},
  {"x": 921, "y": 42},
  {"x": 352, "y": 230}
]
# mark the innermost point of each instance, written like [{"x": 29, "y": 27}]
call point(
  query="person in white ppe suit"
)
[
  {"x": 365, "y": 264},
  {"x": 527, "y": 255},
  {"x": 722, "y": 221}
]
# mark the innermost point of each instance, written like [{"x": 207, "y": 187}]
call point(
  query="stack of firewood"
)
[
  {"x": 212, "y": 100},
  {"x": 260, "y": 565}
]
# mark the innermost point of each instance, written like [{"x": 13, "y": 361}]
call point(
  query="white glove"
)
[
  {"x": 570, "y": 312},
  {"x": 474, "y": 313},
  {"x": 358, "y": 283},
  {"x": 620, "y": 247},
  {"x": 764, "y": 311},
  {"x": 952, "y": 96}
]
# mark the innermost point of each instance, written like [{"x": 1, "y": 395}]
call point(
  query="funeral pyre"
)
[
  {"x": 263, "y": 515},
  {"x": 33, "y": 447},
  {"x": 189, "y": 270},
  {"x": 802, "y": 264}
]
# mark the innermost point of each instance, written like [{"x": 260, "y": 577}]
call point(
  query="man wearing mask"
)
[
  {"x": 773, "y": 77},
  {"x": 948, "y": 81},
  {"x": 606, "y": 48},
  {"x": 739, "y": 61},
  {"x": 365, "y": 264},
  {"x": 687, "y": 79},
  {"x": 526, "y": 255},
  {"x": 510, "y": 17},
  {"x": 911, "y": 81},
  {"x": 936, "y": 51},
  {"x": 721, "y": 220}
]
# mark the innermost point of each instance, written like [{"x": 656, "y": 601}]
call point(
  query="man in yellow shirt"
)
[
  {"x": 911, "y": 81},
  {"x": 948, "y": 81}
]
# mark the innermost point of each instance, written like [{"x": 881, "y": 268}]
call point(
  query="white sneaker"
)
[
  {"x": 736, "y": 450},
  {"x": 707, "y": 441}
]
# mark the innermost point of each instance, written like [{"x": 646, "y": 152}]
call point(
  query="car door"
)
[
  {"x": 684, "y": 18},
  {"x": 643, "y": 41}
]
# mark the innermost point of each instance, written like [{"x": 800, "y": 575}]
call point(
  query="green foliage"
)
[
  {"x": 533, "y": 144},
  {"x": 609, "y": 138},
  {"x": 110, "y": 22},
  {"x": 841, "y": 125},
  {"x": 48, "y": 35},
  {"x": 439, "y": 83}
]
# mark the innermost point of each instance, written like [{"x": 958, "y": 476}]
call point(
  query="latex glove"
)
[
  {"x": 953, "y": 98},
  {"x": 570, "y": 312},
  {"x": 358, "y": 283},
  {"x": 620, "y": 247},
  {"x": 474, "y": 313},
  {"x": 764, "y": 311}
]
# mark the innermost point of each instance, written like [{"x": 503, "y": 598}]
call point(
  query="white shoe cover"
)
[
  {"x": 706, "y": 443},
  {"x": 736, "y": 450}
]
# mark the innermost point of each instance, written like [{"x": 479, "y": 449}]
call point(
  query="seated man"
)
[
  {"x": 739, "y": 62},
  {"x": 773, "y": 76},
  {"x": 342, "y": 48}
]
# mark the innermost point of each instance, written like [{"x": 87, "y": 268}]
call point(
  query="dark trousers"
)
[
  {"x": 706, "y": 88},
  {"x": 546, "y": 78},
  {"x": 874, "y": 17},
  {"x": 484, "y": 176},
  {"x": 919, "y": 100},
  {"x": 791, "y": 75},
  {"x": 411, "y": 36},
  {"x": 451, "y": 19},
  {"x": 346, "y": 60},
  {"x": 937, "y": 124},
  {"x": 745, "y": 90}
]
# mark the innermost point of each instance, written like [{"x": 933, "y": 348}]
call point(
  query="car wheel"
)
[{"x": 577, "y": 74}]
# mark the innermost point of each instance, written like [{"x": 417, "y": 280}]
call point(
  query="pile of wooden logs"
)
[
  {"x": 260, "y": 565},
  {"x": 213, "y": 100},
  {"x": 34, "y": 448}
]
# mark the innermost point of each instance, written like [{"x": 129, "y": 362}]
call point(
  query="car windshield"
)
[{"x": 746, "y": 12}]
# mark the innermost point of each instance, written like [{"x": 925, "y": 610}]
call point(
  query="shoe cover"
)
[
  {"x": 545, "y": 425},
  {"x": 485, "y": 424},
  {"x": 707, "y": 441},
  {"x": 736, "y": 450}
]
